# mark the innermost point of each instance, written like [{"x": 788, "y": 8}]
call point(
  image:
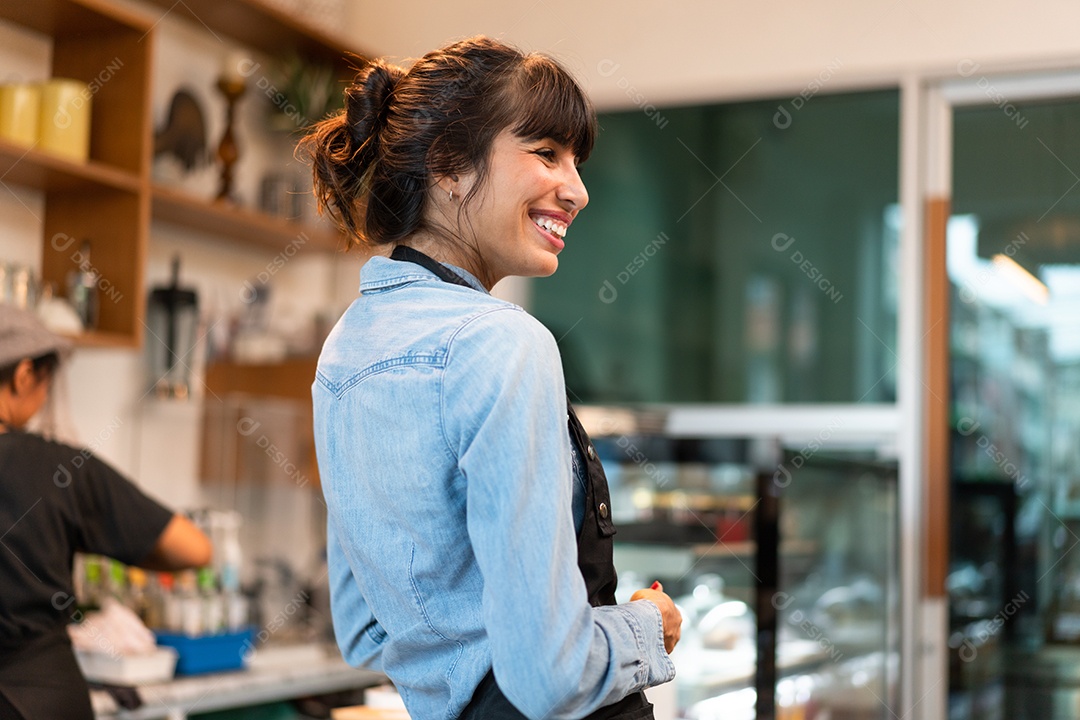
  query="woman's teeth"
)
[{"x": 551, "y": 225}]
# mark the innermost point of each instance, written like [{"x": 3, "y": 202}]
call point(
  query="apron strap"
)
[{"x": 404, "y": 253}]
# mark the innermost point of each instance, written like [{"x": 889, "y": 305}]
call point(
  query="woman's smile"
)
[
  {"x": 552, "y": 224},
  {"x": 531, "y": 196}
]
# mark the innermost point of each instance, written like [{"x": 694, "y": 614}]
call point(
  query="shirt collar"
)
[{"x": 380, "y": 273}]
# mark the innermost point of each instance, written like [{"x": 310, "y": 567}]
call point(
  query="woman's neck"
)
[{"x": 447, "y": 251}]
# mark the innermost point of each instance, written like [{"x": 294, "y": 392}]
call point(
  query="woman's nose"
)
[{"x": 572, "y": 191}]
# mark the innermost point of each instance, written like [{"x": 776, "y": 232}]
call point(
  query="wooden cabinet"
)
[
  {"x": 110, "y": 200},
  {"x": 259, "y": 428}
]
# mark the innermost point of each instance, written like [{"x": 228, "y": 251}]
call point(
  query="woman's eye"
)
[{"x": 547, "y": 154}]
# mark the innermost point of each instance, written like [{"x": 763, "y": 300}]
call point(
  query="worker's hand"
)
[{"x": 671, "y": 616}]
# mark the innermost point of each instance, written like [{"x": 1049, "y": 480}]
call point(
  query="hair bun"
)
[{"x": 368, "y": 98}]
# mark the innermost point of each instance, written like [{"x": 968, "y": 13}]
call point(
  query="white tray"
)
[{"x": 150, "y": 667}]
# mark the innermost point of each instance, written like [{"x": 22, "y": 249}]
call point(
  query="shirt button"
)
[
  {"x": 603, "y": 510},
  {"x": 591, "y": 452}
]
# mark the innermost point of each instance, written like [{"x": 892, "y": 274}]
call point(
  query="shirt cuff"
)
[{"x": 647, "y": 625}]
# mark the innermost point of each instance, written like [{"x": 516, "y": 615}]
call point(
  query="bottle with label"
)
[
  {"x": 170, "y": 610},
  {"x": 236, "y": 611},
  {"x": 138, "y": 597},
  {"x": 213, "y": 610},
  {"x": 228, "y": 558},
  {"x": 190, "y": 604},
  {"x": 93, "y": 590},
  {"x": 117, "y": 587}
]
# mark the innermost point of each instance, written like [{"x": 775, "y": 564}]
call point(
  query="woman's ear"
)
[
  {"x": 25, "y": 379},
  {"x": 448, "y": 186}
]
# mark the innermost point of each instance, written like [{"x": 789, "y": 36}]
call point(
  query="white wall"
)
[{"x": 693, "y": 50}]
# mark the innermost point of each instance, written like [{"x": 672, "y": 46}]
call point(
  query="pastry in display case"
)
[{"x": 788, "y": 582}]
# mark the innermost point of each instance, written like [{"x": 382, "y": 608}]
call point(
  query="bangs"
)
[{"x": 546, "y": 102}]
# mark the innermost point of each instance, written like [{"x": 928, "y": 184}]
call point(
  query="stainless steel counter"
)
[{"x": 273, "y": 674}]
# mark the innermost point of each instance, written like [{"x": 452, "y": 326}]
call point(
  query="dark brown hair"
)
[
  {"x": 44, "y": 366},
  {"x": 374, "y": 162}
]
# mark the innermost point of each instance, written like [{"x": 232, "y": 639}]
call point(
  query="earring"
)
[{"x": 451, "y": 195}]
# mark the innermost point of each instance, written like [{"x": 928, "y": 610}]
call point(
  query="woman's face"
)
[
  {"x": 27, "y": 394},
  {"x": 530, "y": 184}
]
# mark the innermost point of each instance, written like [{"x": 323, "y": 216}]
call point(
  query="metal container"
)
[{"x": 172, "y": 316}]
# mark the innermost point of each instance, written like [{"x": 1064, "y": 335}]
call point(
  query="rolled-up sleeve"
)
[{"x": 503, "y": 406}]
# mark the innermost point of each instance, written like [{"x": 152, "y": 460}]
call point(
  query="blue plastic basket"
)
[{"x": 209, "y": 653}]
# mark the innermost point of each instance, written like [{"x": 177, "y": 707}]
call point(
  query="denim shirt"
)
[{"x": 446, "y": 463}]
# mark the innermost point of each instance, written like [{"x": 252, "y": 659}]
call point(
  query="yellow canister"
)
[
  {"x": 19, "y": 103},
  {"x": 64, "y": 127}
]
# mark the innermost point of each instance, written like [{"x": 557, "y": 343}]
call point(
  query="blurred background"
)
[{"x": 820, "y": 314}]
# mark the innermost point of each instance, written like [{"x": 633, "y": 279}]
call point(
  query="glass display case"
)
[{"x": 783, "y": 557}]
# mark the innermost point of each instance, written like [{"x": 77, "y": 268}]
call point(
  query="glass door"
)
[{"x": 1013, "y": 268}]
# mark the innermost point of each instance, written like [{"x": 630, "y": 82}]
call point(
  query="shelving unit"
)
[
  {"x": 266, "y": 28},
  {"x": 104, "y": 200},
  {"x": 237, "y": 385},
  {"x": 41, "y": 171},
  {"x": 238, "y": 223},
  {"x": 110, "y": 200},
  {"x": 71, "y": 18}
]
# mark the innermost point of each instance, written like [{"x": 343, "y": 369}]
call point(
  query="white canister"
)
[
  {"x": 19, "y": 107},
  {"x": 64, "y": 127}
]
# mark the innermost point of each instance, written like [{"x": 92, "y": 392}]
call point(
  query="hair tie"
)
[{"x": 368, "y": 99}]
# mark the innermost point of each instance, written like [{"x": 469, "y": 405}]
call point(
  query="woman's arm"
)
[
  {"x": 504, "y": 411},
  {"x": 359, "y": 635},
  {"x": 115, "y": 518},
  {"x": 181, "y": 545}
]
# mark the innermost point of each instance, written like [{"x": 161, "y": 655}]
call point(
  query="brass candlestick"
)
[{"x": 228, "y": 152}]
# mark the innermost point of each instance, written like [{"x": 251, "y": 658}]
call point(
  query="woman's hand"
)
[{"x": 669, "y": 613}]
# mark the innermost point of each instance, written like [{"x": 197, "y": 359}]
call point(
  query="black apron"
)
[
  {"x": 41, "y": 679},
  {"x": 594, "y": 551}
]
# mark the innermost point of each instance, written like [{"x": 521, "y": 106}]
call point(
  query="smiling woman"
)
[
  {"x": 532, "y": 194},
  {"x": 470, "y": 551},
  {"x": 391, "y": 164}
]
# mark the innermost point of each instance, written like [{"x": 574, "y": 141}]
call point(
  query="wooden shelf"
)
[
  {"x": 71, "y": 18},
  {"x": 289, "y": 379},
  {"x": 41, "y": 171},
  {"x": 96, "y": 338},
  {"x": 240, "y": 224},
  {"x": 110, "y": 200},
  {"x": 266, "y": 28}
]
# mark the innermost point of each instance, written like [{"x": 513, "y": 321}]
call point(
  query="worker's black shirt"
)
[{"x": 56, "y": 500}]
